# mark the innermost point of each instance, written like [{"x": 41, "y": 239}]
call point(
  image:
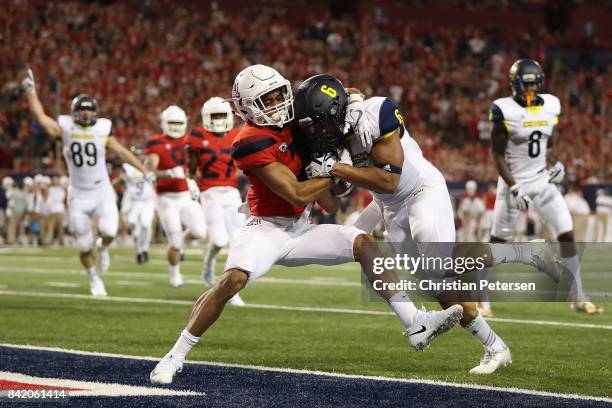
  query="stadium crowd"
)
[{"x": 443, "y": 78}]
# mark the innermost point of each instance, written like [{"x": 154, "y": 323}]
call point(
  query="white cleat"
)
[
  {"x": 429, "y": 325},
  {"x": 96, "y": 286},
  {"x": 236, "y": 300},
  {"x": 176, "y": 280},
  {"x": 492, "y": 360},
  {"x": 103, "y": 256},
  {"x": 546, "y": 260},
  {"x": 165, "y": 370}
]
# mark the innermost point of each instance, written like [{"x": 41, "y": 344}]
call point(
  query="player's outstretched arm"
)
[
  {"x": 125, "y": 155},
  {"x": 388, "y": 156},
  {"x": 281, "y": 180},
  {"x": 29, "y": 86},
  {"x": 499, "y": 141}
]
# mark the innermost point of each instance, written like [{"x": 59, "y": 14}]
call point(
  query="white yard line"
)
[
  {"x": 328, "y": 374},
  {"x": 282, "y": 307},
  {"x": 62, "y": 284},
  {"x": 316, "y": 281}
]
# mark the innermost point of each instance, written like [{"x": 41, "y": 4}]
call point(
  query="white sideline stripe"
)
[
  {"x": 327, "y": 374},
  {"x": 131, "y": 283},
  {"x": 62, "y": 284},
  {"x": 95, "y": 388},
  {"x": 282, "y": 307},
  {"x": 317, "y": 281}
]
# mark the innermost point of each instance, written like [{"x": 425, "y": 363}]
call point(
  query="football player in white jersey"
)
[
  {"x": 522, "y": 129},
  {"x": 138, "y": 205},
  {"x": 85, "y": 139},
  {"x": 409, "y": 192}
]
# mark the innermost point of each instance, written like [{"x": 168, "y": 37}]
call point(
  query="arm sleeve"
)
[
  {"x": 495, "y": 113},
  {"x": 389, "y": 119},
  {"x": 252, "y": 152},
  {"x": 152, "y": 146}
]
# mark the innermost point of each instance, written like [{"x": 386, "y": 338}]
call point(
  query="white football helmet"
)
[
  {"x": 7, "y": 183},
  {"x": 174, "y": 121},
  {"x": 251, "y": 84},
  {"x": 28, "y": 181},
  {"x": 471, "y": 187},
  {"x": 216, "y": 105}
]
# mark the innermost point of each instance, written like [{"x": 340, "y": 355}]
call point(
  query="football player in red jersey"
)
[
  {"x": 278, "y": 231},
  {"x": 167, "y": 156},
  {"x": 210, "y": 149}
]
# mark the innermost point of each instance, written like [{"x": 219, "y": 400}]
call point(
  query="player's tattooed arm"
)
[
  {"x": 388, "y": 155},
  {"x": 499, "y": 140},
  {"x": 124, "y": 154},
  {"x": 281, "y": 180},
  {"x": 329, "y": 202}
]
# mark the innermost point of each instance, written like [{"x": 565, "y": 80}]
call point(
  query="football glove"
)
[
  {"x": 28, "y": 84},
  {"x": 177, "y": 172},
  {"x": 356, "y": 119},
  {"x": 321, "y": 166},
  {"x": 519, "y": 199},
  {"x": 556, "y": 173},
  {"x": 194, "y": 190}
]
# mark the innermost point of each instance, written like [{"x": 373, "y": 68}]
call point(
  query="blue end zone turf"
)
[{"x": 240, "y": 387}]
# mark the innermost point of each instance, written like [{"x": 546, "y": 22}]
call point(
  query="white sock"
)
[
  {"x": 136, "y": 237},
  {"x": 573, "y": 265},
  {"x": 211, "y": 257},
  {"x": 403, "y": 308},
  {"x": 145, "y": 238},
  {"x": 480, "y": 329},
  {"x": 91, "y": 272},
  {"x": 183, "y": 345},
  {"x": 175, "y": 269},
  {"x": 484, "y": 274},
  {"x": 512, "y": 252}
]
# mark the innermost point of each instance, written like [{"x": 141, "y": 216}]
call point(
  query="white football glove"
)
[
  {"x": 194, "y": 190},
  {"x": 556, "y": 173},
  {"x": 519, "y": 199},
  {"x": 28, "y": 84},
  {"x": 321, "y": 166},
  {"x": 356, "y": 119},
  {"x": 177, "y": 172}
]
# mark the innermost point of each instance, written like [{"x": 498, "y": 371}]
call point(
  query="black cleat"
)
[
  {"x": 145, "y": 257},
  {"x": 140, "y": 258}
]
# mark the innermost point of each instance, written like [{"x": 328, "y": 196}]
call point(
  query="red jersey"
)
[
  {"x": 258, "y": 146},
  {"x": 489, "y": 199},
  {"x": 172, "y": 152},
  {"x": 214, "y": 158}
]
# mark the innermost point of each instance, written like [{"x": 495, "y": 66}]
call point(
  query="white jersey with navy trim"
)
[
  {"x": 385, "y": 118},
  {"x": 85, "y": 152},
  {"x": 528, "y": 129},
  {"x": 137, "y": 187}
]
